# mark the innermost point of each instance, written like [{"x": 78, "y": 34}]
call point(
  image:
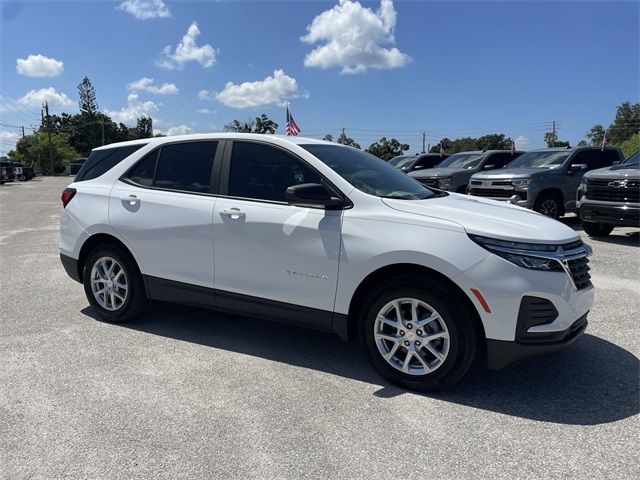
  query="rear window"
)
[{"x": 101, "y": 161}]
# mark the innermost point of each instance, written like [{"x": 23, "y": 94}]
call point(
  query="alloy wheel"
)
[
  {"x": 109, "y": 283},
  {"x": 549, "y": 208}
]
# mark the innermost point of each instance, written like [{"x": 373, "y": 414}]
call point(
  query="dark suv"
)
[
  {"x": 544, "y": 180},
  {"x": 7, "y": 172},
  {"x": 610, "y": 197},
  {"x": 454, "y": 173},
  {"x": 417, "y": 162}
]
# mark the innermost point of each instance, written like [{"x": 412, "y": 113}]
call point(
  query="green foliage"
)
[
  {"x": 582, "y": 143},
  {"x": 261, "y": 124},
  {"x": 144, "y": 128},
  {"x": 631, "y": 145},
  {"x": 596, "y": 135},
  {"x": 493, "y": 141},
  {"x": 625, "y": 125},
  {"x": 328, "y": 137},
  {"x": 344, "y": 140},
  {"x": 551, "y": 139},
  {"x": 33, "y": 150},
  {"x": 387, "y": 149},
  {"x": 87, "y": 97}
]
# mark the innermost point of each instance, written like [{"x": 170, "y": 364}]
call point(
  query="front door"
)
[{"x": 265, "y": 248}]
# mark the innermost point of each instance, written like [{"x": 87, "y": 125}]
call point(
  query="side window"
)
[
  {"x": 186, "y": 166},
  {"x": 263, "y": 172},
  {"x": 142, "y": 173},
  {"x": 594, "y": 159},
  {"x": 101, "y": 161},
  {"x": 611, "y": 156},
  {"x": 501, "y": 160}
]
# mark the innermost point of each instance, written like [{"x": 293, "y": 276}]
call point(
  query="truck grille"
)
[
  {"x": 603, "y": 190},
  {"x": 491, "y": 192}
]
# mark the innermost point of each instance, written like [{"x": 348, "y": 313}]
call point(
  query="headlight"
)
[
  {"x": 524, "y": 255},
  {"x": 524, "y": 182},
  {"x": 444, "y": 182}
]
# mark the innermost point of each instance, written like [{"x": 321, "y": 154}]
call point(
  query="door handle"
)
[
  {"x": 130, "y": 199},
  {"x": 233, "y": 213}
]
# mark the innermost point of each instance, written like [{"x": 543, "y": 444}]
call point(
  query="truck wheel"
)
[
  {"x": 548, "y": 204},
  {"x": 113, "y": 284},
  {"x": 594, "y": 229},
  {"x": 417, "y": 334}
]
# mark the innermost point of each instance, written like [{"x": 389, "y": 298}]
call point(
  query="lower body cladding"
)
[
  {"x": 625, "y": 215},
  {"x": 527, "y": 312}
]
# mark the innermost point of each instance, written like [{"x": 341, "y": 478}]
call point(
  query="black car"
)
[
  {"x": 410, "y": 163},
  {"x": 7, "y": 172}
]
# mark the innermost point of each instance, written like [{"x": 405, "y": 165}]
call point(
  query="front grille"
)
[
  {"x": 429, "y": 182},
  {"x": 579, "y": 269},
  {"x": 491, "y": 192},
  {"x": 601, "y": 190}
]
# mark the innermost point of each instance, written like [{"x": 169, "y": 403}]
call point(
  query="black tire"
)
[
  {"x": 464, "y": 190},
  {"x": 135, "y": 299},
  {"x": 463, "y": 335},
  {"x": 549, "y": 205},
  {"x": 594, "y": 229}
]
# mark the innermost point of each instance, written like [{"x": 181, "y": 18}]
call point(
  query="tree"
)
[
  {"x": 552, "y": 140},
  {"x": 144, "y": 127},
  {"x": 582, "y": 143},
  {"x": 631, "y": 145},
  {"x": 328, "y": 137},
  {"x": 261, "y": 124},
  {"x": 33, "y": 150},
  {"x": 493, "y": 141},
  {"x": 344, "y": 140},
  {"x": 87, "y": 97},
  {"x": 596, "y": 135},
  {"x": 625, "y": 125},
  {"x": 387, "y": 149}
]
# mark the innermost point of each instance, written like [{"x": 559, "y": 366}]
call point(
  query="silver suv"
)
[{"x": 544, "y": 180}]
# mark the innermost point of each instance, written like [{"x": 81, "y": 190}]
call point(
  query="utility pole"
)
[
  {"x": 102, "y": 125},
  {"x": 553, "y": 135},
  {"x": 424, "y": 139},
  {"x": 48, "y": 118},
  {"x": 22, "y": 131}
]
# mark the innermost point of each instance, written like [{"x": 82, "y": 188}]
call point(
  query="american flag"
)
[
  {"x": 291, "y": 127},
  {"x": 604, "y": 141},
  {"x": 441, "y": 151}
]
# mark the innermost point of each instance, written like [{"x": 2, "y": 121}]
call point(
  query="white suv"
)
[{"x": 329, "y": 237}]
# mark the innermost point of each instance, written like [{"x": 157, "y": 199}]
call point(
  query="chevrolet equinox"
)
[{"x": 324, "y": 236}]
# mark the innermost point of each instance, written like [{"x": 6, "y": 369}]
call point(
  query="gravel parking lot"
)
[{"x": 185, "y": 393}]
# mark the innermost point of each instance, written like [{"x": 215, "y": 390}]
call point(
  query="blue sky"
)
[{"x": 377, "y": 68}]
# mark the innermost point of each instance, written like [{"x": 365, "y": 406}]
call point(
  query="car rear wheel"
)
[
  {"x": 417, "y": 334},
  {"x": 113, "y": 284},
  {"x": 548, "y": 205},
  {"x": 594, "y": 229}
]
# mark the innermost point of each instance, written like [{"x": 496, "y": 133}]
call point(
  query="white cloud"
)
[
  {"x": 39, "y": 66},
  {"x": 206, "y": 95},
  {"x": 7, "y": 137},
  {"x": 187, "y": 50},
  {"x": 522, "y": 142},
  {"x": 35, "y": 98},
  {"x": 147, "y": 85},
  {"x": 273, "y": 90},
  {"x": 145, "y": 9},
  {"x": 135, "y": 108},
  {"x": 206, "y": 111},
  {"x": 357, "y": 38},
  {"x": 179, "y": 130}
]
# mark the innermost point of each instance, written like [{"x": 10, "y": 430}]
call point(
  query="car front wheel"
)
[
  {"x": 594, "y": 229},
  {"x": 417, "y": 334},
  {"x": 113, "y": 284}
]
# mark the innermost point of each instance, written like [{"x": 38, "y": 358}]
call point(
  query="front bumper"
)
[
  {"x": 621, "y": 215},
  {"x": 501, "y": 353}
]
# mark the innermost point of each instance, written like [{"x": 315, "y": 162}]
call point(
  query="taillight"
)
[{"x": 67, "y": 195}]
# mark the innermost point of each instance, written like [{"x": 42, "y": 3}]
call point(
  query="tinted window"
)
[
  {"x": 369, "y": 174},
  {"x": 429, "y": 161},
  {"x": 142, "y": 173},
  {"x": 186, "y": 166},
  {"x": 399, "y": 159},
  {"x": 501, "y": 160},
  {"x": 541, "y": 159},
  {"x": 595, "y": 158},
  {"x": 463, "y": 160},
  {"x": 263, "y": 172},
  {"x": 101, "y": 161}
]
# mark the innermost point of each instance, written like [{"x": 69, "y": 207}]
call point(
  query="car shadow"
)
[
  {"x": 618, "y": 236},
  {"x": 591, "y": 383}
]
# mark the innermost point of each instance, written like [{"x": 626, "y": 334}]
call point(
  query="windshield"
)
[
  {"x": 633, "y": 161},
  {"x": 400, "y": 160},
  {"x": 462, "y": 160},
  {"x": 551, "y": 159},
  {"x": 369, "y": 174}
]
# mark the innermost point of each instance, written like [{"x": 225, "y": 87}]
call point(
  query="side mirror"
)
[
  {"x": 312, "y": 195},
  {"x": 488, "y": 167},
  {"x": 577, "y": 167}
]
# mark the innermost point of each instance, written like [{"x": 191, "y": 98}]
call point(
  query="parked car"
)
[
  {"x": 610, "y": 197},
  {"x": 422, "y": 272},
  {"x": 7, "y": 171},
  {"x": 27, "y": 173},
  {"x": 544, "y": 180},
  {"x": 455, "y": 172},
  {"x": 417, "y": 162}
]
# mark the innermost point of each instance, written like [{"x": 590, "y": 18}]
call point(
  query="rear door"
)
[
  {"x": 164, "y": 205},
  {"x": 270, "y": 255}
]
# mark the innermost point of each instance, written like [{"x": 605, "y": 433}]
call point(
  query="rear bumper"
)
[
  {"x": 71, "y": 267},
  {"x": 501, "y": 353},
  {"x": 619, "y": 215}
]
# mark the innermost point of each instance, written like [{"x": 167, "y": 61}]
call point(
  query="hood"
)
[
  {"x": 616, "y": 172},
  {"x": 489, "y": 218},
  {"x": 511, "y": 173},
  {"x": 439, "y": 172}
]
